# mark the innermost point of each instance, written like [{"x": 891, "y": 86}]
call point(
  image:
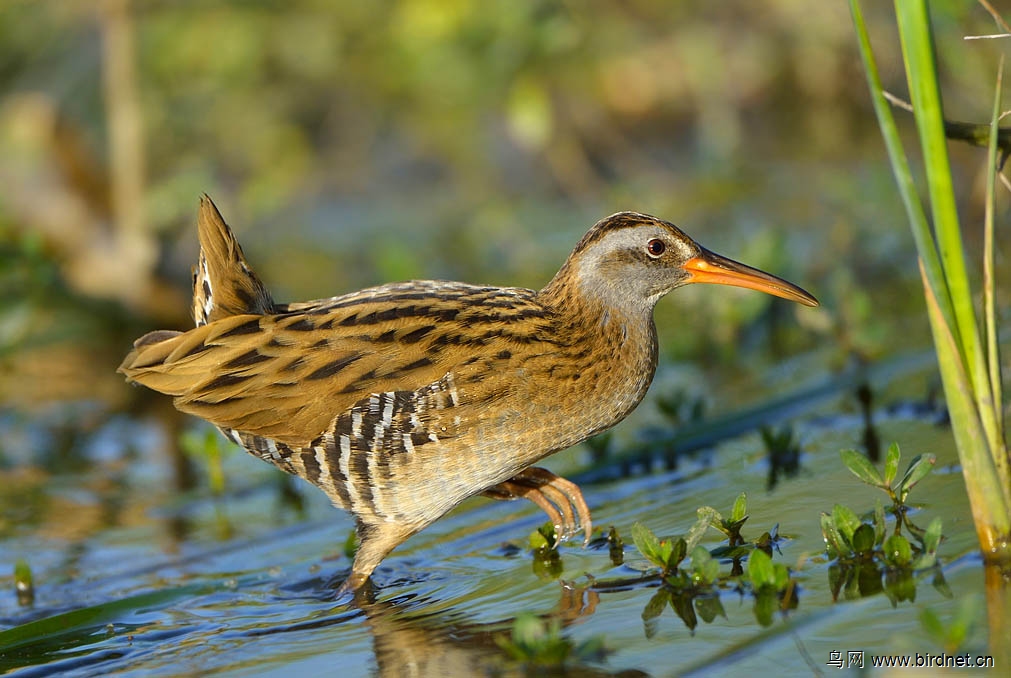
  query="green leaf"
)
[
  {"x": 740, "y": 507},
  {"x": 781, "y": 576},
  {"x": 863, "y": 539},
  {"x": 677, "y": 580},
  {"x": 537, "y": 540},
  {"x": 880, "y": 525},
  {"x": 654, "y": 608},
  {"x": 714, "y": 516},
  {"x": 845, "y": 521},
  {"x": 677, "y": 553},
  {"x": 922, "y": 233},
  {"x": 766, "y": 605},
  {"x": 528, "y": 630},
  {"x": 834, "y": 542},
  {"x": 681, "y": 603},
  {"x": 615, "y": 546},
  {"x": 645, "y": 541},
  {"x": 709, "y": 608},
  {"x": 932, "y": 537},
  {"x": 760, "y": 570},
  {"x": 651, "y": 548},
  {"x": 544, "y": 538},
  {"x": 23, "y": 584},
  {"x": 23, "y": 573},
  {"x": 698, "y": 530},
  {"x": 892, "y": 457},
  {"x": 897, "y": 550},
  {"x": 863, "y": 469},
  {"x": 931, "y": 540},
  {"x": 933, "y": 625},
  {"x": 919, "y": 467},
  {"x": 993, "y": 409},
  {"x": 733, "y": 527},
  {"x": 915, "y": 37},
  {"x": 705, "y": 569},
  {"x": 950, "y": 302},
  {"x": 900, "y": 585}
]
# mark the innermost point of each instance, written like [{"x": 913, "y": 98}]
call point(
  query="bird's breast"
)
[{"x": 541, "y": 402}]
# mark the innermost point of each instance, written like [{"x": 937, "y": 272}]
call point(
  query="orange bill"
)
[{"x": 709, "y": 267}]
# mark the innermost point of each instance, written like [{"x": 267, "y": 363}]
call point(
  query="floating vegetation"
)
[
  {"x": 23, "y": 584},
  {"x": 864, "y": 551},
  {"x": 535, "y": 642},
  {"x": 690, "y": 577},
  {"x": 544, "y": 544}
]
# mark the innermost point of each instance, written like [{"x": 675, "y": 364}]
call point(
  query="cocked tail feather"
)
[{"x": 223, "y": 282}]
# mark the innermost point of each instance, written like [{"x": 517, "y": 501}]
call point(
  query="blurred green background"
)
[
  {"x": 351, "y": 143},
  {"x": 355, "y": 143}
]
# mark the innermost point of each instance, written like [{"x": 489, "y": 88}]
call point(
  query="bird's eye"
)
[{"x": 656, "y": 247}]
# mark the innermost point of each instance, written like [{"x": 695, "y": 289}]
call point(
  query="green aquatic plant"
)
[
  {"x": 691, "y": 575},
  {"x": 666, "y": 553},
  {"x": 917, "y": 470},
  {"x": 207, "y": 446},
  {"x": 771, "y": 586},
  {"x": 896, "y": 548},
  {"x": 23, "y": 583},
  {"x": 954, "y": 632},
  {"x": 615, "y": 546},
  {"x": 538, "y": 643},
  {"x": 969, "y": 359},
  {"x": 868, "y": 557},
  {"x": 544, "y": 541}
]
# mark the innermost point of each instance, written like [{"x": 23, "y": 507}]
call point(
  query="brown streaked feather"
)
[
  {"x": 223, "y": 282},
  {"x": 286, "y": 376}
]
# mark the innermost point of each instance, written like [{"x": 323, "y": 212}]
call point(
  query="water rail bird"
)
[{"x": 401, "y": 401}]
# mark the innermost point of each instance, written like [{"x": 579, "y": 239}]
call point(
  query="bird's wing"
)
[{"x": 286, "y": 376}]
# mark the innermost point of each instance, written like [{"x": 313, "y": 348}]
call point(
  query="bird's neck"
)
[
  {"x": 594, "y": 303},
  {"x": 610, "y": 345}
]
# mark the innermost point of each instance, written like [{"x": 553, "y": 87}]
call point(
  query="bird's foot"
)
[{"x": 555, "y": 495}]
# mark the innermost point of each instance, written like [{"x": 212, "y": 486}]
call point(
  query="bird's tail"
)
[{"x": 223, "y": 282}]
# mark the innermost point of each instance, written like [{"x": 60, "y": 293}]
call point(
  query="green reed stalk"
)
[{"x": 969, "y": 362}]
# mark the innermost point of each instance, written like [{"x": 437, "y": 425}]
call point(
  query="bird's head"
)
[{"x": 632, "y": 258}]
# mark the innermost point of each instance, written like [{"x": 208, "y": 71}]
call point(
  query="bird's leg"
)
[
  {"x": 569, "y": 491},
  {"x": 508, "y": 490},
  {"x": 375, "y": 541},
  {"x": 555, "y": 495},
  {"x": 569, "y": 526}
]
